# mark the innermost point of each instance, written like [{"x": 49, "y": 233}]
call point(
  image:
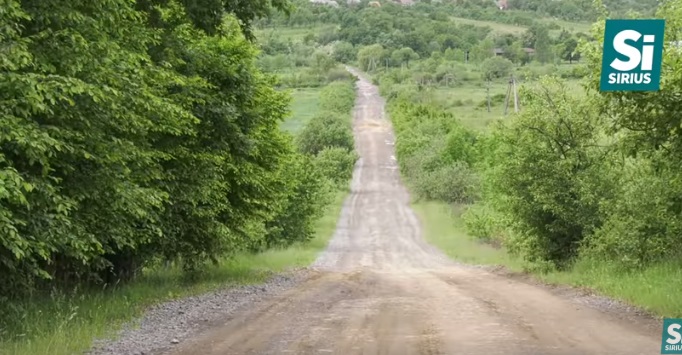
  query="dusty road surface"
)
[{"x": 380, "y": 289}]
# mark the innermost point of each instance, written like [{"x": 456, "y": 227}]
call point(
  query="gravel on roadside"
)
[{"x": 170, "y": 323}]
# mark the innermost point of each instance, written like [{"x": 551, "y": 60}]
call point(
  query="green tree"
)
[
  {"x": 537, "y": 37},
  {"x": 345, "y": 52},
  {"x": 496, "y": 67},
  {"x": 546, "y": 173},
  {"x": 483, "y": 50},
  {"x": 370, "y": 57},
  {"x": 403, "y": 56},
  {"x": 132, "y": 132}
]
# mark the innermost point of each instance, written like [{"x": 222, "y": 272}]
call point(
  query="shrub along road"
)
[{"x": 379, "y": 288}]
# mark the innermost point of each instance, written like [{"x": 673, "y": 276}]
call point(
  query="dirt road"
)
[{"x": 380, "y": 289}]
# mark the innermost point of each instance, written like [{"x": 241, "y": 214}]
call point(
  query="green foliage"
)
[
  {"x": 496, "y": 67},
  {"x": 345, "y": 52},
  {"x": 336, "y": 164},
  {"x": 132, "y": 133},
  {"x": 328, "y": 137},
  {"x": 433, "y": 151},
  {"x": 327, "y": 129},
  {"x": 403, "y": 56},
  {"x": 642, "y": 225},
  {"x": 338, "y": 97},
  {"x": 546, "y": 176},
  {"x": 485, "y": 223},
  {"x": 332, "y": 126},
  {"x": 304, "y": 195},
  {"x": 582, "y": 10}
]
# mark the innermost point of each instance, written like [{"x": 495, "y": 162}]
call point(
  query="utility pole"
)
[
  {"x": 487, "y": 92},
  {"x": 511, "y": 88},
  {"x": 372, "y": 64},
  {"x": 516, "y": 97}
]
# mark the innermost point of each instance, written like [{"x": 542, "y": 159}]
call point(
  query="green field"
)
[
  {"x": 496, "y": 26},
  {"x": 517, "y": 30},
  {"x": 468, "y": 101},
  {"x": 569, "y": 26},
  {"x": 289, "y": 33},
  {"x": 304, "y": 106}
]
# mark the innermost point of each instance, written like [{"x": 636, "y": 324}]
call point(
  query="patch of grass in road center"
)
[
  {"x": 444, "y": 228},
  {"x": 67, "y": 324}
]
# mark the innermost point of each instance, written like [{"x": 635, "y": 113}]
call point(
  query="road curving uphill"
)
[{"x": 379, "y": 288}]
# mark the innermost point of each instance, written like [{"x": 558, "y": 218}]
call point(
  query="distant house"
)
[
  {"x": 331, "y": 3},
  {"x": 498, "y": 51},
  {"x": 529, "y": 51}
]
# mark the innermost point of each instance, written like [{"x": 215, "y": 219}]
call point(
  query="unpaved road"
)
[{"x": 380, "y": 289}]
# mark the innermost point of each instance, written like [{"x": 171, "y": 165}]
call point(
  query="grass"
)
[
  {"x": 303, "y": 107},
  {"x": 443, "y": 227},
  {"x": 504, "y": 28},
  {"x": 573, "y": 27},
  {"x": 496, "y": 26},
  {"x": 654, "y": 289},
  {"x": 468, "y": 101},
  {"x": 464, "y": 101},
  {"x": 67, "y": 324},
  {"x": 291, "y": 33}
]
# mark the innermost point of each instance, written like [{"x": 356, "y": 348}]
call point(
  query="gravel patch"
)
[{"x": 168, "y": 324}]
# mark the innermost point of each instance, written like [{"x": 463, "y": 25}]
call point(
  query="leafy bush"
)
[
  {"x": 336, "y": 164},
  {"x": 452, "y": 183},
  {"x": 484, "y": 223},
  {"x": 121, "y": 144},
  {"x": 338, "y": 96},
  {"x": 496, "y": 67},
  {"x": 332, "y": 127},
  {"x": 433, "y": 152},
  {"x": 345, "y": 52},
  {"x": 305, "y": 193},
  {"x": 642, "y": 224},
  {"x": 338, "y": 74},
  {"x": 547, "y": 175},
  {"x": 327, "y": 129}
]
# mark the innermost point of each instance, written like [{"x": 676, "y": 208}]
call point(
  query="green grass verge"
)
[
  {"x": 304, "y": 105},
  {"x": 654, "y": 289},
  {"x": 444, "y": 228},
  {"x": 67, "y": 324}
]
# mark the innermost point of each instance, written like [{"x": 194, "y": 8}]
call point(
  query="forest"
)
[{"x": 139, "y": 134}]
